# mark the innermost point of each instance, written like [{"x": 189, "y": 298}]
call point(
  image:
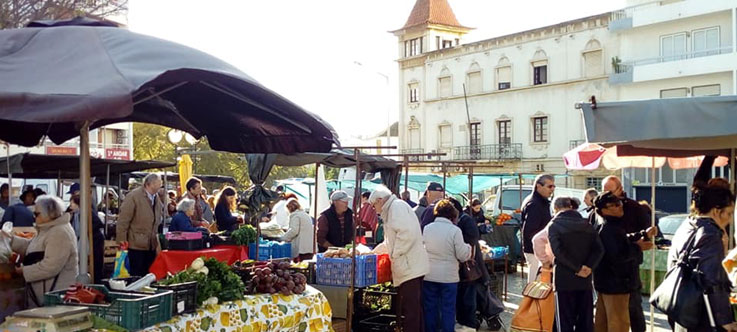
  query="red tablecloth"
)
[{"x": 174, "y": 261}]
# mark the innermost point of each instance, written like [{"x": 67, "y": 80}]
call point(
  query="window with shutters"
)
[
  {"x": 706, "y": 90},
  {"x": 674, "y": 93},
  {"x": 447, "y": 43},
  {"x": 539, "y": 68},
  {"x": 413, "y": 47},
  {"x": 592, "y": 59},
  {"x": 473, "y": 77},
  {"x": 705, "y": 41},
  {"x": 446, "y": 136},
  {"x": 414, "y": 93},
  {"x": 673, "y": 47},
  {"x": 504, "y": 74},
  {"x": 504, "y": 130},
  {"x": 445, "y": 88},
  {"x": 540, "y": 129}
]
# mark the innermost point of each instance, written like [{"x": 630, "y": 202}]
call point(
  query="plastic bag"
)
[
  {"x": 121, "y": 264},
  {"x": 5, "y": 250}
]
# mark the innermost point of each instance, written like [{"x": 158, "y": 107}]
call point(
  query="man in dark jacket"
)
[
  {"x": 335, "y": 225},
  {"x": 577, "y": 250},
  {"x": 435, "y": 192},
  {"x": 617, "y": 274},
  {"x": 535, "y": 216},
  {"x": 635, "y": 221}
]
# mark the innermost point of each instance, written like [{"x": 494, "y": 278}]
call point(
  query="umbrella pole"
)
[
  {"x": 356, "y": 197},
  {"x": 107, "y": 200},
  {"x": 85, "y": 208},
  {"x": 470, "y": 185},
  {"x": 444, "y": 176},
  {"x": 58, "y": 185},
  {"x": 314, "y": 213},
  {"x": 652, "y": 251},
  {"x": 406, "y": 172},
  {"x": 120, "y": 189}
]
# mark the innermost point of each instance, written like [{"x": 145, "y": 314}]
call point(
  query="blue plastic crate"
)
[
  {"x": 337, "y": 271},
  {"x": 264, "y": 251},
  {"x": 283, "y": 250}
]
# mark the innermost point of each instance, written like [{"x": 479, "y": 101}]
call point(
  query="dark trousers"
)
[
  {"x": 140, "y": 261},
  {"x": 574, "y": 311},
  {"x": 440, "y": 305},
  {"x": 410, "y": 299},
  {"x": 466, "y": 304},
  {"x": 637, "y": 317}
]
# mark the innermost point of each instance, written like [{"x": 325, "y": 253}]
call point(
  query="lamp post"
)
[{"x": 388, "y": 109}]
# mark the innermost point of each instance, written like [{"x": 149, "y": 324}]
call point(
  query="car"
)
[{"x": 668, "y": 225}]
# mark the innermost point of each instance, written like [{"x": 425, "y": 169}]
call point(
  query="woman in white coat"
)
[
  {"x": 403, "y": 242},
  {"x": 300, "y": 232}
]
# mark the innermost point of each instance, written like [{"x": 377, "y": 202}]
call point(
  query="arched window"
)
[
  {"x": 592, "y": 59},
  {"x": 474, "y": 83},
  {"x": 539, "y": 68},
  {"x": 503, "y": 74},
  {"x": 414, "y": 134},
  {"x": 445, "y": 88}
]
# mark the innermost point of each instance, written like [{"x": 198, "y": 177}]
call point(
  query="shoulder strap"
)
[{"x": 683, "y": 254}]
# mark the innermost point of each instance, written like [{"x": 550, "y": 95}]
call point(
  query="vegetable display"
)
[
  {"x": 214, "y": 280},
  {"x": 277, "y": 278},
  {"x": 244, "y": 235}
]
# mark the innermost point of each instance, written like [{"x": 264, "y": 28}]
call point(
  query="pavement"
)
[{"x": 516, "y": 284}]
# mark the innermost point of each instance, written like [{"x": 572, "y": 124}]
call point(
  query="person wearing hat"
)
[
  {"x": 435, "y": 192},
  {"x": 335, "y": 225},
  {"x": 20, "y": 214}
]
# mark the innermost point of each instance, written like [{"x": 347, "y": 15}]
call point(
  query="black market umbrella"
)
[
  {"x": 55, "y": 78},
  {"x": 64, "y": 78}
]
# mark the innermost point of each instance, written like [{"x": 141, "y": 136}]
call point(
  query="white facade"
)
[{"x": 113, "y": 141}]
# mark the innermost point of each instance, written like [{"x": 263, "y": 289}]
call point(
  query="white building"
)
[
  {"x": 674, "y": 49},
  {"x": 520, "y": 90}
]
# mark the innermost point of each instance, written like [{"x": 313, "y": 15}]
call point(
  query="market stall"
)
[{"x": 173, "y": 261}]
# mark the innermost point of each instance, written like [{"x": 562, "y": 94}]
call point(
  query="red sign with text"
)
[
  {"x": 61, "y": 150},
  {"x": 119, "y": 154}
]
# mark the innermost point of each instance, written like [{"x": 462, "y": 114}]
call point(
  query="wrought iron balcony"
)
[
  {"x": 413, "y": 151},
  {"x": 509, "y": 151}
]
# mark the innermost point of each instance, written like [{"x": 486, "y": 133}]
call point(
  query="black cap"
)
[{"x": 434, "y": 186}]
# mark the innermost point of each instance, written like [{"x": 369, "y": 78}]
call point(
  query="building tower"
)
[{"x": 431, "y": 26}]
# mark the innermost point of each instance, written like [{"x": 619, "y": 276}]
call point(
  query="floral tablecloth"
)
[{"x": 309, "y": 311}]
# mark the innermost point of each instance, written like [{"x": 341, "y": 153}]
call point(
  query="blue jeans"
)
[{"x": 439, "y": 301}]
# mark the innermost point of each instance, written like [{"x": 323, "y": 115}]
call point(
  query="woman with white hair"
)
[
  {"x": 181, "y": 221},
  {"x": 403, "y": 242},
  {"x": 50, "y": 258},
  {"x": 300, "y": 232}
]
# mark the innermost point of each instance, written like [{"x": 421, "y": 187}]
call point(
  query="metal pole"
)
[
  {"x": 107, "y": 201},
  {"x": 85, "y": 203},
  {"x": 314, "y": 213},
  {"x": 732, "y": 183},
  {"x": 120, "y": 189},
  {"x": 444, "y": 176},
  {"x": 166, "y": 197},
  {"x": 59, "y": 187},
  {"x": 406, "y": 172},
  {"x": 499, "y": 193},
  {"x": 357, "y": 194},
  {"x": 470, "y": 185},
  {"x": 652, "y": 255}
]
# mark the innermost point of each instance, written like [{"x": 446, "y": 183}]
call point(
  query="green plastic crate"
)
[
  {"x": 645, "y": 278},
  {"x": 133, "y": 311}
]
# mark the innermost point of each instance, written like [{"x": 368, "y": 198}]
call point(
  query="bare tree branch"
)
[{"x": 18, "y": 13}]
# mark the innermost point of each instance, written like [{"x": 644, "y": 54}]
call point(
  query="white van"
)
[{"x": 510, "y": 200}]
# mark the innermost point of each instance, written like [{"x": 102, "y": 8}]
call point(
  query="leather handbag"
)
[
  {"x": 537, "y": 309},
  {"x": 469, "y": 270},
  {"x": 681, "y": 295}
]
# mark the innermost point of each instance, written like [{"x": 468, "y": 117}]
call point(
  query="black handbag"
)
[
  {"x": 681, "y": 294},
  {"x": 30, "y": 259},
  {"x": 469, "y": 270}
]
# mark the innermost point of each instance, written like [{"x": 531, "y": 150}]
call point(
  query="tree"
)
[{"x": 18, "y": 13}]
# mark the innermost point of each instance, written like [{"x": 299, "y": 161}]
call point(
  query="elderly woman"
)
[
  {"x": 181, "y": 221},
  {"x": 300, "y": 232},
  {"x": 446, "y": 249},
  {"x": 50, "y": 259}
]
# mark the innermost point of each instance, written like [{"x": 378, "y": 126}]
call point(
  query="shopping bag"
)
[
  {"x": 6, "y": 236},
  {"x": 537, "y": 309},
  {"x": 121, "y": 264}
]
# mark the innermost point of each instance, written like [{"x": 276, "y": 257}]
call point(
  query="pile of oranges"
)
[{"x": 502, "y": 218}]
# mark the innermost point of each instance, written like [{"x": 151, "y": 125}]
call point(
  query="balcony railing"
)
[
  {"x": 627, "y": 66},
  {"x": 575, "y": 143},
  {"x": 488, "y": 152},
  {"x": 413, "y": 151}
]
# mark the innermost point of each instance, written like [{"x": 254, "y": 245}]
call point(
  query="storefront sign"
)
[
  {"x": 119, "y": 154},
  {"x": 61, "y": 150}
]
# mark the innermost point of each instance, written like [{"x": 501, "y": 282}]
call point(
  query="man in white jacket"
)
[{"x": 403, "y": 242}]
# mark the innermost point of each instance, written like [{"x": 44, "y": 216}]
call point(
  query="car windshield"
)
[
  {"x": 669, "y": 224},
  {"x": 510, "y": 198}
]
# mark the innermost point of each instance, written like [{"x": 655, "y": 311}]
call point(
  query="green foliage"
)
[{"x": 244, "y": 235}]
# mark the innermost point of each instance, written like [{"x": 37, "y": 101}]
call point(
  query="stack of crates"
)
[
  {"x": 270, "y": 250},
  {"x": 337, "y": 271}
]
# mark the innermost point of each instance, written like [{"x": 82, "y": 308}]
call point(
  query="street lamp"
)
[
  {"x": 175, "y": 136},
  {"x": 388, "y": 108}
]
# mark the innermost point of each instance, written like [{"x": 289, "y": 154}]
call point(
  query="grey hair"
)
[
  {"x": 381, "y": 192},
  {"x": 591, "y": 193},
  {"x": 150, "y": 178},
  {"x": 185, "y": 204},
  {"x": 49, "y": 206},
  {"x": 561, "y": 203},
  {"x": 540, "y": 179}
]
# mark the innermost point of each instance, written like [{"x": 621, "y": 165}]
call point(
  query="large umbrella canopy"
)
[
  {"x": 35, "y": 166},
  {"x": 57, "y": 77},
  {"x": 337, "y": 158},
  {"x": 589, "y": 156},
  {"x": 677, "y": 127}
]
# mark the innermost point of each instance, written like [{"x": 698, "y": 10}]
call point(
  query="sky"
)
[{"x": 308, "y": 50}]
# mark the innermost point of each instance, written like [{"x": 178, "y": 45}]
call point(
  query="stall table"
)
[
  {"x": 309, "y": 311},
  {"x": 173, "y": 261},
  {"x": 505, "y": 235}
]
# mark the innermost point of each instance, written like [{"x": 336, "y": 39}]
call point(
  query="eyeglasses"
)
[{"x": 551, "y": 186}]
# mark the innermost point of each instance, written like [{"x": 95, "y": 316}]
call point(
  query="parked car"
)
[
  {"x": 509, "y": 200},
  {"x": 668, "y": 225}
]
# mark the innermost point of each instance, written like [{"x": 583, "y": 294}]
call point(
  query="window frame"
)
[
  {"x": 543, "y": 135},
  {"x": 507, "y": 130},
  {"x": 440, "y": 136},
  {"x": 673, "y": 57},
  {"x": 693, "y": 88},
  {"x": 414, "y": 92},
  {"x": 540, "y": 74},
  {"x": 475, "y": 133},
  {"x": 707, "y": 51}
]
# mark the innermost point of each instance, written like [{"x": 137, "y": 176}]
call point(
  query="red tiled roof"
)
[{"x": 432, "y": 12}]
